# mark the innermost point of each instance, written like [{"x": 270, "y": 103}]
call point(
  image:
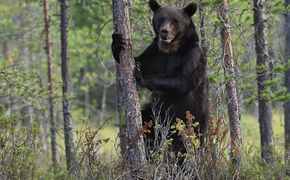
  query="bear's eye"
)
[
  {"x": 175, "y": 21},
  {"x": 161, "y": 20}
]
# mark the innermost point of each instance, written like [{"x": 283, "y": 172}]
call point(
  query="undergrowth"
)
[{"x": 20, "y": 149}]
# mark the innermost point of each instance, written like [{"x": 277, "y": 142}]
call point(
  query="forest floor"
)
[{"x": 250, "y": 134}]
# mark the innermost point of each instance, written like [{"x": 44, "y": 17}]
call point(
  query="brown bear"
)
[{"x": 174, "y": 69}]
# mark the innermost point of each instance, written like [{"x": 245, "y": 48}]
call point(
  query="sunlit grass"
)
[
  {"x": 107, "y": 151},
  {"x": 249, "y": 127},
  {"x": 251, "y": 132}
]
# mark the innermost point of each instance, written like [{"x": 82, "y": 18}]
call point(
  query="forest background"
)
[{"x": 24, "y": 75}]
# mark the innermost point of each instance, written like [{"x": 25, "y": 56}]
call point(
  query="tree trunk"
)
[
  {"x": 68, "y": 132},
  {"x": 6, "y": 49},
  {"x": 231, "y": 90},
  {"x": 265, "y": 111},
  {"x": 120, "y": 112},
  {"x": 204, "y": 43},
  {"x": 44, "y": 124},
  {"x": 103, "y": 105},
  {"x": 287, "y": 82},
  {"x": 51, "y": 87},
  {"x": 131, "y": 100},
  {"x": 22, "y": 55},
  {"x": 26, "y": 121},
  {"x": 86, "y": 93}
]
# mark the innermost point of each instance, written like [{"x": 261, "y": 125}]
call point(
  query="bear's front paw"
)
[
  {"x": 117, "y": 44},
  {"x": 138, "y": 75}
]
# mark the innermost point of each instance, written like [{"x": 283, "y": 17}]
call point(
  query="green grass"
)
[
  {"x": 249, "y": 127},
  {"x": 251, "y": 132},
  {"x": 107, "y": 151}
]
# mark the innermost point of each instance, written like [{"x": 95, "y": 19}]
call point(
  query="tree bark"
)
[
  {"x": 231, "y": 90},
  {"x": 135, "y": 147},
  {"x": 287, "y": 82},
  {"x": 51, "y": 87},
  {"x": 204, "y": 42},
  {"x": 121, "y": 118},
  {"x": 68, "y": 129},
  {"x": 265, "y": 111}
]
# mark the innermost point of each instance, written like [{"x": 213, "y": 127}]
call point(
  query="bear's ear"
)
[
  {"x": 190, "y": 9},
  {"x": 154, "y": 5}
]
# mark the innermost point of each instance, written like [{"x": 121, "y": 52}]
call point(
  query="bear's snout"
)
[
  {"x": 164, "y": 36},
  {"x": 164, "y": 33}
]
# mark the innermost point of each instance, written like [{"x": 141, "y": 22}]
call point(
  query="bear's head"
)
[{"x": 172, "y": 25}]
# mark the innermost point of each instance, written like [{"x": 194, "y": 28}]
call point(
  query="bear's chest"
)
[
  {"x": 162, "y": 63},
  {"x": 172, "y": 63}
]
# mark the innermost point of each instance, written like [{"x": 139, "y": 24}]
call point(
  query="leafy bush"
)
[{"x": 19, "y": 148}]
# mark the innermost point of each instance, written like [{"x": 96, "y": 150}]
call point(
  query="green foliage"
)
[
  {"x": 272, "y": 82},
  {"x": 287, "y": 9},
  {"x": 277, "y": 9},
  {"x": 287, "y": 65},
  {"x": 284, "y": 98},
  {"x": 217, "y": 22},
  {"x": 282, "y": 68},
  {"x": 251, "y": 100},
  {"x": 260, "y": 68},
  {"x": 22, "y": 84},
  {"x": 264, "y": 96},
  {"x": 279, "y": 69},
  {"x": 247, "y": 17},
  {"x": 272, "y": 96},
  {"x": 206, "y": 3},
  {"x": 279, "y": 3},
  {"x": 227, "y": 78},
  {"x": 58, "y": 172},
  {"x": 20, "y": 146},
  {"x": 266, "y": 91},
  {"x": 218, "y": 2},
  {"x": 138, "y": 9},
  {"x": 212, "y": 77},
  {"x": 281, "y": 92}
]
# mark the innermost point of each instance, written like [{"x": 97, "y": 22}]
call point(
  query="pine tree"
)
[
  {"x": 265, "y": 111},
  {"x": 54, "y": 155},
  {"x": 287, "y": 80},
  {"x": 68, "y": 128},
  {"x": 231, "y": 91},
  {"x": 128, "y": 89}
]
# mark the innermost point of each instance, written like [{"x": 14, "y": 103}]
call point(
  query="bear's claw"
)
[{"x": 117, "y": 44}]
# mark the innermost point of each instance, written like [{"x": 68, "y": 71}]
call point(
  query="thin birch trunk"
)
[
  {"x": 68, "y": 128},
  {"x": 103, "y": 107},
  {"x": 231, "y": 90},
  {"x": 54, "y": 153},
  {"x": 86, "y": 93},
  {"x": 103, "y": 104},
  {"x": 131, "y": 100},
  {"x": 265, "y": 110}
]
